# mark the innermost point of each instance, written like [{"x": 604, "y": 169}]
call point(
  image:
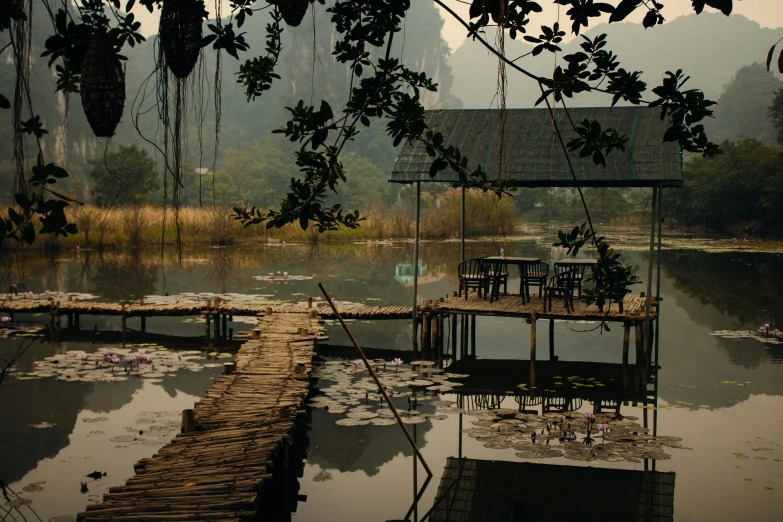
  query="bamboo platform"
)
[
  {"x": 188, "y": 308},
  {"x": 512, "y": 306},
  {"x": 233, "y": 439}
]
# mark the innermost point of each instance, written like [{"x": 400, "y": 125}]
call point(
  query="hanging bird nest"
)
[
  {"x": 293, "y": 11},
  {"x": 102, "y": 85},
  {"x": 180, "y": 33}
]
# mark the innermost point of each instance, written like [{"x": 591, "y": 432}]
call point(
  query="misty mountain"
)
[{"x": 710, "y": 47}]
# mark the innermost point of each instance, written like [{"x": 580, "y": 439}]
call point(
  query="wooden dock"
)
[
  {"x": 233, "y": 439},
  {"x": 190, "y": 308}
]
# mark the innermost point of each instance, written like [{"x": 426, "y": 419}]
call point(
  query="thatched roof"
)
[{"x": 533, "y": 155}]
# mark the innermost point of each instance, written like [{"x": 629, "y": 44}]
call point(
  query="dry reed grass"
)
[{"x": 122, "y": 227}]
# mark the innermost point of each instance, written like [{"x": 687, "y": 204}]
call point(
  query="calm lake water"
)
[{"x": 721, "y": 394}]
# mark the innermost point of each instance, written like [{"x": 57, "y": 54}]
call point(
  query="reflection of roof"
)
[
  {"x": 532, "y": 153},
  {"x": 486, "y": 490},
  {"x": 407, "y": 280}
]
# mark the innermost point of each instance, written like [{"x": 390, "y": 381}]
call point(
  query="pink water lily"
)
[
  {"x": 107, "y": 353},
  {"x": 397, "y": 362},
  {"x": 5, "y": 319},
  {"x": 115, "y": 359},
  {"x": 356, "y": 364},
  {"x": 590, "y": 417},
  {"x": 141, "y": 351},
  {"x": 81, "y": 356},
  {"x": 169, "y": 364},
  {"x": 603, "y": 427},
  {"x": 562, "y": 419}
]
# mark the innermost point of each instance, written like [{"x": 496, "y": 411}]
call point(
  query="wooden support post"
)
[
  {"x": 639, "y": 338},
  {"x": 229, "y": 368},
  {"x": 454, "y": 319},
  {"x": 188, "y": 421},
  {"x": 206, "y": 328},
  {"x": 230, "y": 334},
  {"x": 463, "y": 330},
  {"x": 225, "y": 326},
  {"x": 473, "y": 335},
  {"x": 76, "y": 320},
  {"x": 268, "y": 311},
  {"x": 69, "y": 320},
  {"x": 143, "y": 323},
  {"x": 532, "y": 337},
  {"x": 552, "y": 356},
  {"x": 309, "y": 302},
  {"x": 626, "y": 341},
  {"x": 425, "y": 330},
  {"x": 124, "y": 326},
  {"x": 435, "y": 329}
]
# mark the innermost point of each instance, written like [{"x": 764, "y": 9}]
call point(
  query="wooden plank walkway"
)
[
  {"x": 242, "y": 426},
  {"x": 188, "y": 308}
]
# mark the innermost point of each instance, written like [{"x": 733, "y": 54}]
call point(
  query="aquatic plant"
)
[
  {"x": 81, "y": 356},
  {"x": 397, "y": 362}
]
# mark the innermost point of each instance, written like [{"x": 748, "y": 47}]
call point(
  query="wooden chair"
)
[
  {"x": 535, "y": 275},
  {"x": 497, "y": 274},
  {"x": 561, "y": 286},
  {"x": 472, "y": 275}
]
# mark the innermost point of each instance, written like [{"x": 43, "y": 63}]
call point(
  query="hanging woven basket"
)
[
  {"x": 102, "y": 85},
  {"x": 180, "y": 33},
  {"x": 293, "y": 11}
]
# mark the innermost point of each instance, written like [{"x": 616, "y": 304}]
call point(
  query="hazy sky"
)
[{"x": 768, "y": 13}]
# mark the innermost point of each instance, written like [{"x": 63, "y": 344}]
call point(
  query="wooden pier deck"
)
[
  {"x": 512, "y": 306},
  {"x": 188, "y": 308},
  {"x": 218, "y": 468}
]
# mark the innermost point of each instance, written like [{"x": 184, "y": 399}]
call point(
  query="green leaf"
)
[{"x": 769, "y": 57}]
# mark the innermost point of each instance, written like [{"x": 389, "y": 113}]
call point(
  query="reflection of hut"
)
[
  {"x": 486, "y": 490},
  {"x": 403, "y": 273},
  {"x": 557, "y": 385}
]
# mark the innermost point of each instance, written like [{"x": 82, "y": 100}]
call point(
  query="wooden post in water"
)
[
  {"x": 229, "y": 368},
  {"x": 425, "y": 330},
  {"x": 309, "y": 302},
  {"x": 225, "y": 326},
  {"x": 639, "y": 338},
  {"x": 473, "y": 335},
  {"x": 435, "y": 329},
  {"x": 206, "y": 330},
  {"x": 69, "y": 319},
  {"x": 188, "y": 421},
  {"x": 626, "y": 343},
  {"x": 76, "y": 320},
  {"x": 453, "y": 337},
  {"x": 143, "y": 323},
  {"x": 532, "y": 337}
]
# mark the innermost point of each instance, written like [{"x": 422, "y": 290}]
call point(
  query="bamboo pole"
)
[
  {"x": 414, "y": 326},
  {"x": 375, "y": 378}
]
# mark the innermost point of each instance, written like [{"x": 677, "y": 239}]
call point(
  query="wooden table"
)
[
  {"x": 495, "y": 263},
  {"x": 576, "y": 262}
]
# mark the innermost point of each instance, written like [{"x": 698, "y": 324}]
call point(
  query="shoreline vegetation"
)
[{"x": 137, "y": 226}]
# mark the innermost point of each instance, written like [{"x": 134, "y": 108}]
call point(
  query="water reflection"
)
[{"x": 721, "y": 395}]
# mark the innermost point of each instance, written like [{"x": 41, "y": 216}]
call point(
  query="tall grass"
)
[{"x": 138, "y": 226}]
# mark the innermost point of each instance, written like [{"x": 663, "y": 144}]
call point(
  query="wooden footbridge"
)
[{"x": 234, "y": 440}]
